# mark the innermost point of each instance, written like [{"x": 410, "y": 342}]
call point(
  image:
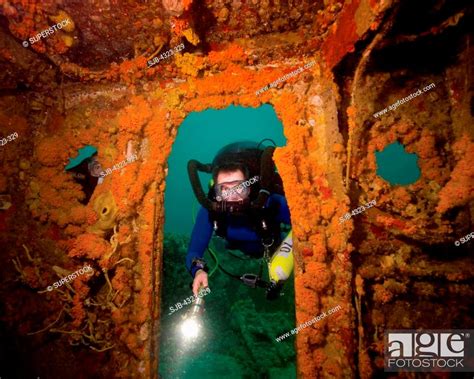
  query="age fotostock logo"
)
[{"x": 429, "y": 350}]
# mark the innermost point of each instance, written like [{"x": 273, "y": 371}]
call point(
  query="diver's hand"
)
[{"x": 200, "y": 280}]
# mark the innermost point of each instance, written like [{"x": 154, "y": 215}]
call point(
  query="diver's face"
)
[
  {"x": 229, "y": 176},
  {"x": 228, "y": 181}
]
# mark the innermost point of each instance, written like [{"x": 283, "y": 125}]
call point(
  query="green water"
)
[
  {"x": 397, "y": 166},
  {"x": 239, "y": 324}
]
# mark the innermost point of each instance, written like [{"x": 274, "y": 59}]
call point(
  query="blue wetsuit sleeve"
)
[
  {"x": 200, "y": 237},
  {"x": 283, "y": 210}
]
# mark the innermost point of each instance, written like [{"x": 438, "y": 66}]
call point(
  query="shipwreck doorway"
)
[{"x": 239, "y": 326}]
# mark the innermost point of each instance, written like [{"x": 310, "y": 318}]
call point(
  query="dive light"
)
[{"x": 192, "y": 323}]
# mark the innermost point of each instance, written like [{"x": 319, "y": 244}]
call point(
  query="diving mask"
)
[{"x": 236, "y": 190}]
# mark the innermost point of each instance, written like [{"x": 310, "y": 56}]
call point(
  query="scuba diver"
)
[{"x": 245, "y": 205}]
